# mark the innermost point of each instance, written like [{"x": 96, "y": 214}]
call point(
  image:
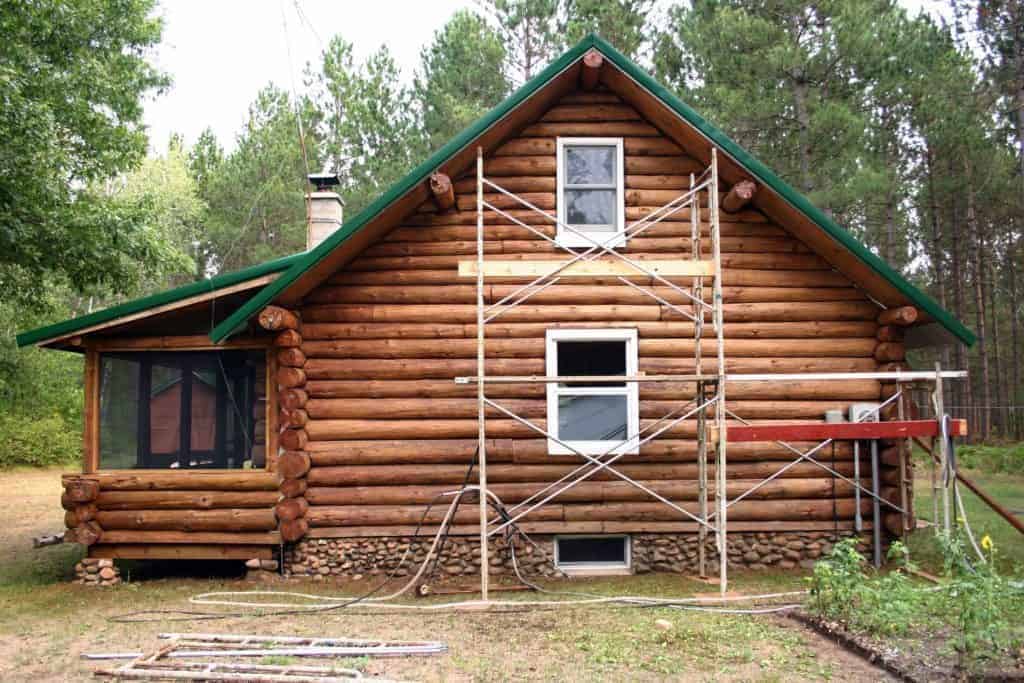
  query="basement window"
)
[
  {"x": 182, "y": 410},
  {"x": 592, "y": 554},
  {"x": 592, "y": 416},
  {"x": 590, "y": 192}
]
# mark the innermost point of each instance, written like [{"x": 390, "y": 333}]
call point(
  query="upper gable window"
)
[{"x": 590, "y": 191}]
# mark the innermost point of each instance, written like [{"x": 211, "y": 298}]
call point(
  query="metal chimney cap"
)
[{"x": 324, "y": 181}]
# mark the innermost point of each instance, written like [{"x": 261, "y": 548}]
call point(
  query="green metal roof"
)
[
  {"x": 153, "y": 301},
  {"x": 757, "y": 169}
]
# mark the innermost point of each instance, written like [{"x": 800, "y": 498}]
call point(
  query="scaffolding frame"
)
[{"x": 710, "y": 388}]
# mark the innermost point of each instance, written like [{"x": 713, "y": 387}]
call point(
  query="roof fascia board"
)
[{"x": 248, "y": 278}]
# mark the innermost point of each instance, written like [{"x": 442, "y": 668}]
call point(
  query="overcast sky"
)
[{"x": 220, "y": 53}]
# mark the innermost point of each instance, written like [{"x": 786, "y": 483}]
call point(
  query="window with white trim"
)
[
  {"x": 590, "y": 192},
  {"x": 592, "y": 553},
  {"x": 592, "y": 416}
]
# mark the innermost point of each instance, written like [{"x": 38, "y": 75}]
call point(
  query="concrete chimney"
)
[{"x": 325, "y": 208}]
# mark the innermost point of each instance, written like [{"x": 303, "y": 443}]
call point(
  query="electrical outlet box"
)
[{"x": 864, "y": 412}]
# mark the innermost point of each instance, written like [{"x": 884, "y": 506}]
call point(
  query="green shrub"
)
[
  {"x": 38, "y": 442},
  {"x": 1008, "y": 459}
]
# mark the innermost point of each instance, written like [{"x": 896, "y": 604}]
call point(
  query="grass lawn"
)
[
  {"x": 46, "y": 622},
  {"x": 1007, "y": 489}
]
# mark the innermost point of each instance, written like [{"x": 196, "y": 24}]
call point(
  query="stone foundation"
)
[
  {"x": 355, "y": 558},
  {"x": 261, "y": 570},
  {"x": 97, "y": 571}
]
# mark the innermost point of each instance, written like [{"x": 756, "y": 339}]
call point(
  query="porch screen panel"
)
[{"x": 185, "y": 410}]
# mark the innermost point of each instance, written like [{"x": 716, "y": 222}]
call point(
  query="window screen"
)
[
  {"x": 186, "y": 410},
  {"x": 598, "y": 551}
]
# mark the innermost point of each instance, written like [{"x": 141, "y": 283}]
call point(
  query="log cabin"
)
[{"x": 305, "y": 410}]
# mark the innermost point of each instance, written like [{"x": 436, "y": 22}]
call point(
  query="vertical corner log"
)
[
  {"x": 293, "y": 488},
  {"x": 293, "y": 398},
  {"x": 294, "y": 439},
  {"x": 294, "y": 464},
  {"x": 590, "y": 70},
  {"x": 442, "y": 191},
  {"x": 902, "y": 316},
  {"x": 291, "y": 509},
  {"x": 275, "y": 318},
  {"x": 739, "y": 196},
  {"x": 293, "y": 418}
]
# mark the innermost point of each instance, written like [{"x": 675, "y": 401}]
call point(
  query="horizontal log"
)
[
  {"x": 590, "y": 72},
  {"x": 136, "y": 551},
  {"x": 81, "y": 490},
  {"x": 291, "y": 508},
  {"x": 586, "y": 492},
  {"x": 745, "y": 510},
  {"x": 640, "y": 146},
  {"x": 598, "y": 129},
  {"x": 294, "y": 529},
  {"x": 527, "y": 245},
  {"x": 184, "y": 500},
  {"x": 535, "y": 451},
  {"x": 117, "y": 537},
  {"x": 733, "y": 278},
  {"x": 189, "y": 520},
  {"x": 887, "y": 352},
  {"x": 441, "y": 191},
  {"x": 293, "y": 418},
  {"x": 531, "y": 217},
  {"x": 87, "y": 534},
  {"x": 292, "y": 488},
  {"x": 80, "y": 514},
  {"x": 292, "y": 357},
  {"x": 755, "y": 261},
  {"x": 530, "y": 313},
  {"x": 535, "y": 348},
  {"x": 768, "y": 526},
  {"x": 569, "y": 295},
  {"x": 902, "y": 429},
  {"x": 347, "y": 368},
  {"x": 890, "y": 333},
  {"x": 292, "y": 399},
  {"x": 191, "y": 480},
  {"x": 293, "y": 464},
  {"x": 862, "y": 390},
  {"x": 294, "y": 439},
  {"x": 739, "y": 196},
  {"x": 590, "y": 112},
  {"x": 290, "y": 377},
  {"x": 288, "y": 339},
  {"x": 453, "y": 408},
  {"x": 674, "y": 330},
  {"x": 377, "y": 475},
  {"x": 275, "y": 318},
  {"x": 903, "y": 316}
]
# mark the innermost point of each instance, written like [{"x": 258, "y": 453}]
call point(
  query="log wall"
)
[{"x": 387, "y": 429}]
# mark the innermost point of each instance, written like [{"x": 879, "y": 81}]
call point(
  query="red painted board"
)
[{"x": 843, "y": 431}]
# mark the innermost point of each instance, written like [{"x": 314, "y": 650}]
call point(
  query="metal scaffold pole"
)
[
  {"x": 480, "y": 372},
  {"x": 719, "y": 322},
  {"x": 702, "y": 441}
]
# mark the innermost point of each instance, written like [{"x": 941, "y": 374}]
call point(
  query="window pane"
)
[
  {"x": 592, "y": 418},
  {"x": 590, "y": 165},
  {"x": 592, "y": 208},
  {"x": 119, "y": 413},
  {"x": 592, "y": 550},
  {"x": 592, "y": 358},
  {"x": 204, "y": 417}
]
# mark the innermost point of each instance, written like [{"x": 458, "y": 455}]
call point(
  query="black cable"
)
[{"x": 444, "y": 532}]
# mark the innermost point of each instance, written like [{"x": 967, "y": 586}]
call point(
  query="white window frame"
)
[
  {"x": 595, "y": 567},
  {"x": 630, "y": 391},
  {"x": 566, "y": 238}
]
